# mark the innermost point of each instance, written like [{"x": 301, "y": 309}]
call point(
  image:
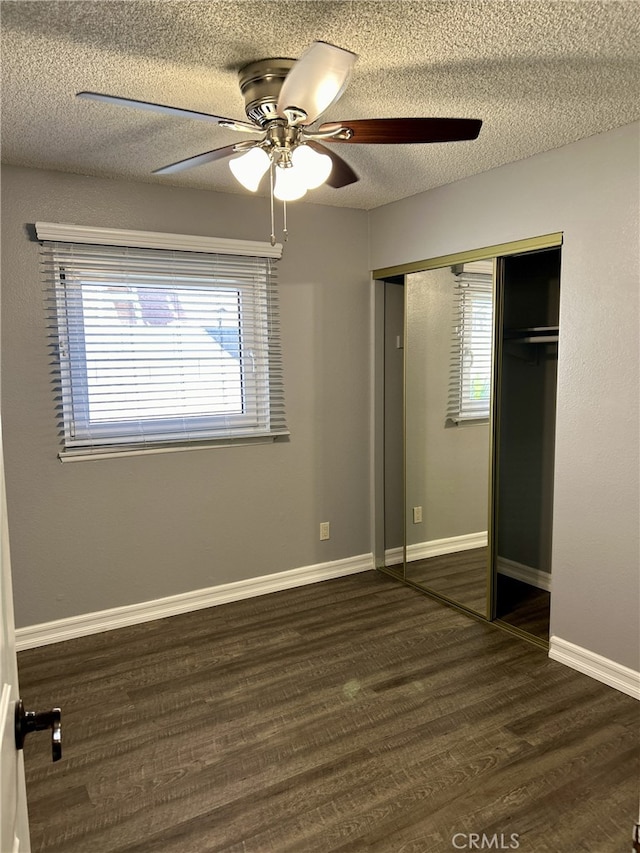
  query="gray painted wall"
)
[
  {"x": 92, "y": 535},
  {"x": 589, "y": 190},
  {"x": 447, "y": 467}
]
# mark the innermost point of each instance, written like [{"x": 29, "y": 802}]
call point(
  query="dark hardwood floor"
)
[{"x": 351, "y": 715}]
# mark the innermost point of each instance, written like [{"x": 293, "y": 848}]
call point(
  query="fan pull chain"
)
[
  {"x": 285, "y": 233},
  {"x": 273, "y": 227}
]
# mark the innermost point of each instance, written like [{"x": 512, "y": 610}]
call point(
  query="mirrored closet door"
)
[
  {"x": 468, "y": 411},
  {"x": 448, "y": 356}
]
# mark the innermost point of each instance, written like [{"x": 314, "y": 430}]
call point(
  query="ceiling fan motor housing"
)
[{"x": 260, "y": 83}]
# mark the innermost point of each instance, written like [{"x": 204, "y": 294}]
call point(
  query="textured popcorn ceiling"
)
[{"x": 539, "y": 74}]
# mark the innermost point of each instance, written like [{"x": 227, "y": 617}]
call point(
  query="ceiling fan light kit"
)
[
  {"x": 314, "y": 166},
  {"x": 287, "y": 187},
  {"x": 283, "y": 98},
  {"x": 250, "y": 167}
]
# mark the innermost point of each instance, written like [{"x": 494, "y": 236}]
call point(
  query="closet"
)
[
  {"x": 465, "y": 421},
  {"x": 528, "y": 296}
]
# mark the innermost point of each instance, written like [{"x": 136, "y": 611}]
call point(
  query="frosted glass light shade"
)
[
  {"x": 290, "y": 184},
  {"x": 312, "y": 165},
  {"x": 250, "y": 168},
  {"x": 316, "y": 80}
]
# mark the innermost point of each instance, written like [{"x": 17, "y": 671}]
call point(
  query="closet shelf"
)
[{"x": 533, "y": 335}]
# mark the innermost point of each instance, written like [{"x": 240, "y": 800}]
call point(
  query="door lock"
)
[{"x": 39, "y": 721}]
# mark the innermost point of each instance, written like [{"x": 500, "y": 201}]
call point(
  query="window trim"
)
[{"x": 67, "y": 233}]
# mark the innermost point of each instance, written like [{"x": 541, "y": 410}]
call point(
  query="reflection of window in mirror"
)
[{"x": 470, "y": 368}]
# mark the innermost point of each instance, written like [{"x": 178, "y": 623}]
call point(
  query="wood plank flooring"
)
[{"x": 351, "y": 715}]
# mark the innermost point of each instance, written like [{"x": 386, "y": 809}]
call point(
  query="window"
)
[
  {"x": 472, "y": 339},
  {"x": 160, "y": 346}
]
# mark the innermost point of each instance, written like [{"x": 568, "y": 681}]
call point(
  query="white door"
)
[{"x": 14, "y": 825}]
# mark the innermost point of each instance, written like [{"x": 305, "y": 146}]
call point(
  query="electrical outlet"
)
[
  {"x": 417, "y": 514},
  {"x": 324, "y": 530}
]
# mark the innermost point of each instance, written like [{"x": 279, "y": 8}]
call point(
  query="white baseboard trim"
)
[
  {"x": 393, "y": 556},
  {"x": 527, "y": 574},
  {"x": 59, "y": 630},
  {"x": 602, "y": 669},
  {"x": 437, "y": 547}
]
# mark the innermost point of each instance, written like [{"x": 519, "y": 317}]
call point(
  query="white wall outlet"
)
[
  {"x": 324, "y": 530},
  {"x": 417, "y": 514}
]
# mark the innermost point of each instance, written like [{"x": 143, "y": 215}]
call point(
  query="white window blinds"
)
[
  {"x": 161, "y": 346},
  {"x": 470, "y": 371}
]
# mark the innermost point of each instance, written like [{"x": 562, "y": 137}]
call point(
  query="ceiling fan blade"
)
[
  {"x": 397, "y": 131},
  {"x": 201, "y": 159},
  {"x": 341, "y": 174},
  {"x": 161, "y": 108},
  {"x": 316, "y": 80}
]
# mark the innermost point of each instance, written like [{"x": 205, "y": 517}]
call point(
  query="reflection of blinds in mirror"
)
[{"x": 470, "y": 370}]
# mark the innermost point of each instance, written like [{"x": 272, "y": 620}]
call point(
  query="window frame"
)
[
  {"x": 470, "y": 408},
  {"x": 472, "y": 289},
  {"x": 82, "y": 436},
  {"x": 79, "y": 427}
]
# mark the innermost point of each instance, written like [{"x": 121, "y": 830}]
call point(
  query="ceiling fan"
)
[{"x": 283, "y": 98}]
